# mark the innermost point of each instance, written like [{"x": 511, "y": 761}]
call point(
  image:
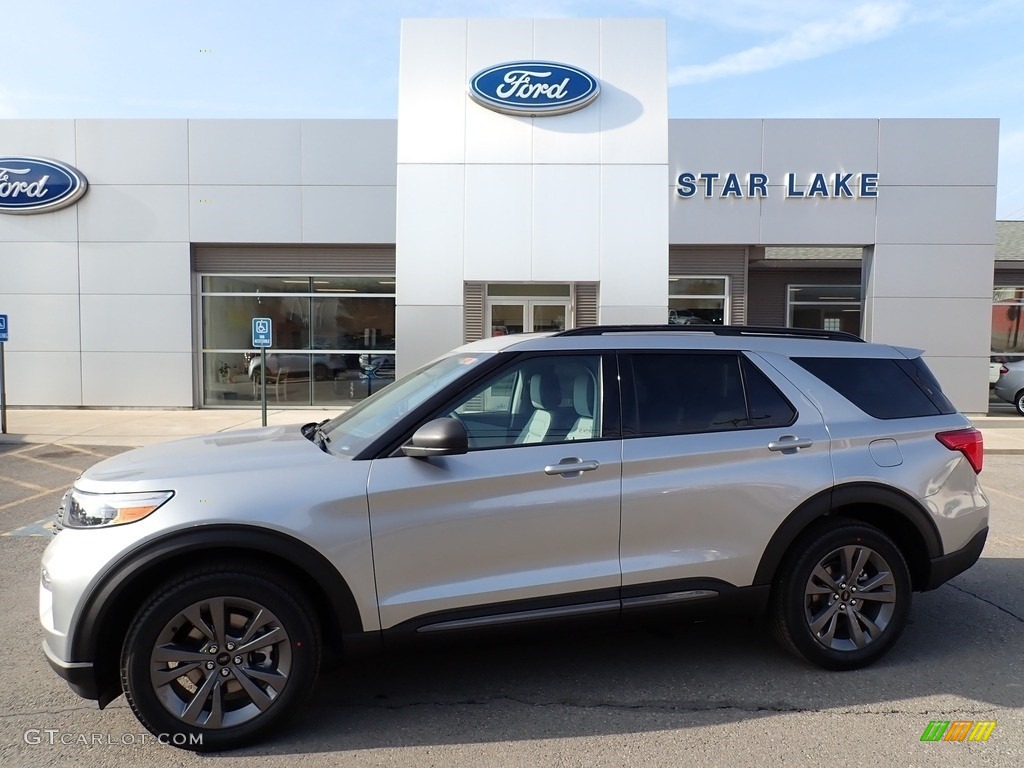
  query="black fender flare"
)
[
  {"x": 143, "y": 562},
  {"x": 828, "y": 502}
]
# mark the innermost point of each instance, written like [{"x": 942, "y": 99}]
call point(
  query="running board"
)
[
  {"x": 583, "y": 609},
  {"x": 605, "y": 606},
  {"x": 668, "y": 598}
]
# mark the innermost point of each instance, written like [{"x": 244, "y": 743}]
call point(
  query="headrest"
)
[
  {"x": 545, "y": 391},
  {"x": 583, "y": 395}
]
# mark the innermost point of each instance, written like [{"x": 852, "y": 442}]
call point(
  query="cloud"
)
[{"x": 858, "y": 25}]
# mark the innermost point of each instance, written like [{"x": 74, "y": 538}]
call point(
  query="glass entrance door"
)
[
  {"x": 545, "y": 316},
  {"x": 506, "y": 316}
]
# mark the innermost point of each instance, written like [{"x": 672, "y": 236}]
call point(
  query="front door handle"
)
[
  {"x": 571, "y": 467},
  {"x": 790, "y": 444}
]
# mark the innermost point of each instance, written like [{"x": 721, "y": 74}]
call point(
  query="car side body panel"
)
[
  {"x": 705, "y": 505},
  {"x": 492, "y": 526}
]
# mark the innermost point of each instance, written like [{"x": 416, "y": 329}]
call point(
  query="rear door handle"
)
[
  {"x": 571, "y": 467},
  {"x": 790, "y": 443}
]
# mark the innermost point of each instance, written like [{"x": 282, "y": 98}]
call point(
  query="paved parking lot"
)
[{"x": 706, "y": 694}]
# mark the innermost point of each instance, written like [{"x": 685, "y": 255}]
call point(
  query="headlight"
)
[{"x": 89, "y": 510}]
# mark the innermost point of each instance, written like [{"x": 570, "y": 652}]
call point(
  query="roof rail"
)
[{"x": 717, "y": 330}]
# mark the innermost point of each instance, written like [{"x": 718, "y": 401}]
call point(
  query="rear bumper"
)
[{"x": 944, "y": 568}]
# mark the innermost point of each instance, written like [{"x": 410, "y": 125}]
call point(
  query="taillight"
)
[
  {"x": 1003, "y": 370},
  {"x": 968, "y": 441}
]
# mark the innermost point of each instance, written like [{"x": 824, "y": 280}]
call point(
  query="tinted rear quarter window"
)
[
  {"x": 881, "y": 387},
  {"x": 698, "y": 392},
  {"x": 768, "y": 408}
]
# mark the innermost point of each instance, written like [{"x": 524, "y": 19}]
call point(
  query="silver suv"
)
[{"x": 599, "y": 473}]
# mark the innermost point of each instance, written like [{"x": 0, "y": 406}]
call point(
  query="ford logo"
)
[
  {"x": 533, "y": 88},
  {"x": 35, "y": 185}
]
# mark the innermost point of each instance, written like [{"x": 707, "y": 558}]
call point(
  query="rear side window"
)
[
  {"x": 694, "y": 392},
  {"x": 883, "y": 388}
]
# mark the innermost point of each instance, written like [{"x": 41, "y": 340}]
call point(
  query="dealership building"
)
[{"x": 532, "y": 181}]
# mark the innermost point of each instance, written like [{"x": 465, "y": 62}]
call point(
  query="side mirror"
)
[{"x": 440, "y": 437}]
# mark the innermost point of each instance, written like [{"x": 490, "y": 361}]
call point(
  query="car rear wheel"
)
[
  {"x": 1018, "y": 402},
  {"x": 220, "y": 657},
  {"x": 843, "y": 596}
]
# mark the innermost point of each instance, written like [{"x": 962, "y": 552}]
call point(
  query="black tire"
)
[
  {"x": 232, "y": 689},
  {"x": 840, "y": 620},
  {"x": 1018, "y": 402}
]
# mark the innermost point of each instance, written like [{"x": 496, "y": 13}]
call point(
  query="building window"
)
[
  {"x": 333, "y": 338},
  {"x": 698, "y": 300},
  {"x": 824, "y": 307},
  {"x": 1007, "y": 333}
]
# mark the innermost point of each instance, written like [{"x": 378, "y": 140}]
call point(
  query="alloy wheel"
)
[
  {"x": 850, "y": 598},
  {"x": 220, "y": 662}
]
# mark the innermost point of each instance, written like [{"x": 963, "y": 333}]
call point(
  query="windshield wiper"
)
[{"x": 315, "y": 434}]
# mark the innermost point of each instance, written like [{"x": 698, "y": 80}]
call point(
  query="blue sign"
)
[
  {"x": 534, "y": 88},
  {"x": 35, "y": 185},
  {"x": 262, "y": 332},
  {"x": 3, "y": 328}
]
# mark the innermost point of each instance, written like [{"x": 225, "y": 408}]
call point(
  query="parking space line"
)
[
  {"x": 1004, "y": 493},
  {"x": 1006, "y": 541},
  {"x": 54, "y": 465},
  {"x": 24, "y": 449},
  {"x": 22, "y": 483},
  {"x": 41, "y": 494},
  {"x": 83, "y": 450},
  {"x": 42, "y": 527}
]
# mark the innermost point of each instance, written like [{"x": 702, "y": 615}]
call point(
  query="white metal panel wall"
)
[
  {"x": 936, "y": 209},
  {"x": 484, "y": 196}
]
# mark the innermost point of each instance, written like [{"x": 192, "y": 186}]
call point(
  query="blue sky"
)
[{"x": 313, "y": 58}]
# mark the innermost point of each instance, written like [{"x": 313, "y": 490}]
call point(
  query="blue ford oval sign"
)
[
  {"x": 533, "y": 88},
  {"x": 35, "y": 185}
]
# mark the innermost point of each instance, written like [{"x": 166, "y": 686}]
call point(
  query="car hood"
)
[{"x": 242, "y": 452}]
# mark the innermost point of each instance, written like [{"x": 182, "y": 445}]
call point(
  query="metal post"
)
[
  {"x": 3, "y": 393},
  {"x": 263, "y": 382}
]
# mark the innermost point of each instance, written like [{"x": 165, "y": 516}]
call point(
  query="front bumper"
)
[
  {"x": 80, "y": 676},
  {"x": 942, "y": 569}
]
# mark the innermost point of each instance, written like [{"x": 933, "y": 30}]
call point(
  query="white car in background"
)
[
  {"x": 994, "y": 370},
  {"x": 1010, "y": 386}
]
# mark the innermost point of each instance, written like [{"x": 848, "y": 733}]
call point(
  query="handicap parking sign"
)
[
  {"x": 3, "y": 328},
  {"x": 262, "y": 332}
]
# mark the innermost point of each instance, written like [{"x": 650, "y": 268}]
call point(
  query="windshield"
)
[{"x": 356, "y": 428}]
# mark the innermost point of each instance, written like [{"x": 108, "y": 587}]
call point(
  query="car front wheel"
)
[
  {"x": 220, "y": 657},
  {"x": 843, "y": 596}
]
